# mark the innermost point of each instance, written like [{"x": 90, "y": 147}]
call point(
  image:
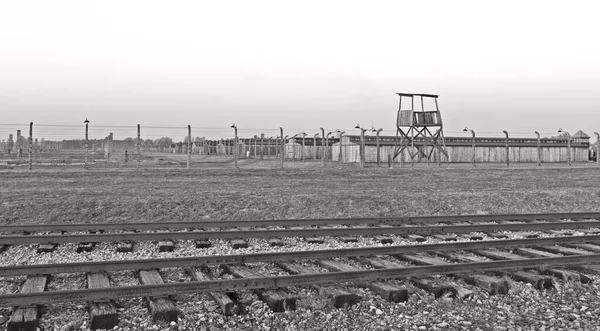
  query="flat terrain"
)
[{"x": 165, "y": 191}]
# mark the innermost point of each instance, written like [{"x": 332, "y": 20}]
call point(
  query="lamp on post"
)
[
  {"x": 302, "y": 151},
  {"x": 568, "y": 145},
  {"x": 282, "y": 146},
  {"x": 294, "y": 147},
  {"x": 539, "y": 149},
  {"x": 378, "y": 153},
  {"x": 341, "y": 134},
  {"x": 473, "y": 133},
  {"x": 322, "y": 148},
  {"x": 87, "y": 151},
  {"x": 362, "y": 145},
  {"x": 236, "y": 149}
]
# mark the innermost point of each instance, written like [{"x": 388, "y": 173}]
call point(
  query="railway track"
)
[
  {"x": 311, "y": 228},
  {"x": 485, "y": 264}
]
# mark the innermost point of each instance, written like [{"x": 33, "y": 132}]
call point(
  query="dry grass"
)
[{"x": 165, "y": 191}]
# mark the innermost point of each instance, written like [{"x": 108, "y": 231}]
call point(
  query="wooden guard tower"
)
[{"x": 414, "y": 128}]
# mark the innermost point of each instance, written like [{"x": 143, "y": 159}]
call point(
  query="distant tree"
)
[{"x": 128, "y": 139}]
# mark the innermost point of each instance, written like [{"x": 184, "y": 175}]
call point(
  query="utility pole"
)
[{"x": 87, "y": 148}]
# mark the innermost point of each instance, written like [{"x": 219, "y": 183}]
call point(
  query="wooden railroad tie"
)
[
  {"x": 348, "y": 239},
  {"x": 103, "y": 314},
  {"x": 337, "y": 296},
  {"x": 275, "y": 242},
  {"x": 415, "y": 237},
  {"x": 388, "y": 291},
  {"x": 437, "y": 287},
  {"x": 277, "y": 300},
  {"x": 472, "y": 236},
  {"x": 203, "y": 243},
  {"x": 86, "y": 247},
  {"x": 556, "y": 272},
  {"x": 222, "y": 299},
  {"x": 238, "y": 243},
  {"x": 445, "y": 237},
  {"x": 47, "y": 247},
  {"x": 496, "y": 235},
  {"x": 166, "y": 246},
  {"x": 26, "y": 318},
  {"x": 125, "y": 247},
  {"x": 161, "y": 308},
  {"x": 493, "y": 285},
  {"x": 314, "y": 240},
  {"x": 384, "y": 240},
  {"x": 587, "y": 247},
  {"x": 536, "y": 280},
  {"x": 563, "y": 250}
]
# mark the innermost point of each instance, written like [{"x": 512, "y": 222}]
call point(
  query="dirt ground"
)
[{"x": 164, "y": 190}]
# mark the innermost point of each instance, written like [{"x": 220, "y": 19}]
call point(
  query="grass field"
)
[{"x": 163, "y": 190}]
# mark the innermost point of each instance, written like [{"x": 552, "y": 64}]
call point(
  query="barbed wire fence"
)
[{"x": 138, "y": 146}]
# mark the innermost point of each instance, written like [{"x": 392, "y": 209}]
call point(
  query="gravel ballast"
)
[{"x": 568, "y": 306}]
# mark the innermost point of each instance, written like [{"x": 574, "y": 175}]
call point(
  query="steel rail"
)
[
  {"x": 79, "y": 267},
  {"x": 392, "y": 220},
  {"x": 309, "y": 232},
  {"x": 230, "y": 285}
]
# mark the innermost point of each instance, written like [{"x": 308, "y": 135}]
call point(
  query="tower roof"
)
[
  {"x": 580, "y": 134},
  {"x": 417, "y": 95}
]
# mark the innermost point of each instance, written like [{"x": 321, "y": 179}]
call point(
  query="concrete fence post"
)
[
  {"x": 189, "y": 151},
  {"x": 262, "y": 145},
  {"x": 235, "y": 152},
  {"x": 139, "y": 143},
  {"x": 315, "y": 147},
  {"x": 473, "y": 146},
  {"x": 378, "y": 150},
  {"x": 322, "y": 147},
  {"x": 539, "y": 149},
  {"x": 507, "y": 149},
  {"x": 597, "y": 147},
  {"x": 30, "y": 140},
  {"x": 283, "y": 151},
  {"x": 341, "y": 135},
  {"x": 19, "y": 146},
  {"x": 568, "y": 145},
  {"x": 302, "y": 151},
  {"x": 87, "y": 146}
]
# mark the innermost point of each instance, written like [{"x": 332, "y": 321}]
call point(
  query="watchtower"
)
[{"x": 415, "y": 126}]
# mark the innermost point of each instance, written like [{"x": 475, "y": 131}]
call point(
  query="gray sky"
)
[{"x": 519, "y": 66}]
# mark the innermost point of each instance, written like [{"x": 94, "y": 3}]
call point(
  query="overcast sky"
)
[{"x": 519, "y": 66}]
